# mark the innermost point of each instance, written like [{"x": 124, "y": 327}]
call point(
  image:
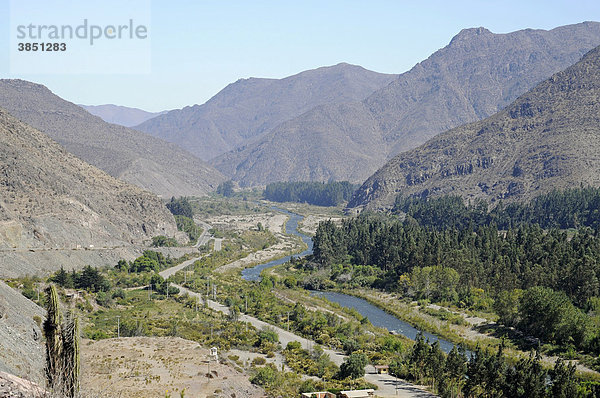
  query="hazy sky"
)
[{"x": 198, "y": 47}]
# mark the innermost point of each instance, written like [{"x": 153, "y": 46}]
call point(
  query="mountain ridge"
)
[
  {"x": 473, "y": 77},
  {"x": 247, "y": 108},
  {"x": 546, "y": 139},
  {"x": 121, "y": 115}
]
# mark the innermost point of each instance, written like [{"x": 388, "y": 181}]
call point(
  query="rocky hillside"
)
[
  {"x": 21, "y": 349},
  {"x": 250, "y": 107},
  {"x": 548, "y": 138},
  {"x": 474, "y": 76},
  {"x": 121, "y": 115},
  {"x": 130, "y": 155},
  {"x": 49, "y": 199}
]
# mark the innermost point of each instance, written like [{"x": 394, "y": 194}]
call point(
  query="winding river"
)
[
  {"x": 291, "y": 227},
  {"x": 376, "y": 316}
]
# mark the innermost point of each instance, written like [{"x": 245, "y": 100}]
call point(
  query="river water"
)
[
  {"x": 376, "y": 316},
  {"x": 291, "y": 227}
]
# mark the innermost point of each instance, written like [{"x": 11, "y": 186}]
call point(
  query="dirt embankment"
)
[{"x": 149, "y": 367}]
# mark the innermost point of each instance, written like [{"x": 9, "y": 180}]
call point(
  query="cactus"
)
[
  {"x": 52, "y": 332},
  {"x": 62, "y": 348},
  {"x": 70, "y": 361}
]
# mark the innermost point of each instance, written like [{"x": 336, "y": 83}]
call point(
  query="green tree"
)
[
  {"x": 180, "y": 207},
  {"x": 506, "y": 306},
  {"x": 226, "y": 189},
  {"x": 434, "y": 364},
  {"x": 62, "y": 278},
  {"x": 353, "y": 366},
  {"x": 418, "y": 357},
  {"x": 91, "y": 279},
  {"x": 455, "y": 368},
  {"x": 564, "y": 382},
  {"x": 265, "y": 376},
  {"x": 527, "y": 379}
]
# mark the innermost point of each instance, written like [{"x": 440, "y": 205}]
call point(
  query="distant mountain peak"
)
[
  {"x": 469, "y": 33},
  {"x": 121, "y": 115},
  {"x": 249, "y": 108}
]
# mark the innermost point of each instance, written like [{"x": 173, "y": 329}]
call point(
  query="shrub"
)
[{"x": 258, "y": 361}]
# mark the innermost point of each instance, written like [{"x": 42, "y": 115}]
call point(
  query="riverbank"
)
[{"x": 457, "y": 334}]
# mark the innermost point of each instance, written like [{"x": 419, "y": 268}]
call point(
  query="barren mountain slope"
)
[
  {"x": 21, "y": 349},
  {"x": 51, "y": 199},
  {"x": 124, "y": 153},
  {"x": 548, "y": 138},
  {"x": 476, "y": 75},
  {"x": 250, "y": 107}
]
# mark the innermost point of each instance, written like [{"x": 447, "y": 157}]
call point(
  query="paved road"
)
[
  {"x": 205, "y": 236},
  {"x": 202, "y": 240},
  {"x": 387, "y": 385},
  {"x": 173, "y": 270}
]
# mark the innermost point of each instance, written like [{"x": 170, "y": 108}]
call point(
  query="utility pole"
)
[
  {"x": 246, "y": 297},
  {"x": 118, "y": 326},
  {"x": 214, "y": 292},
  {"x": 167, "y": 290}
]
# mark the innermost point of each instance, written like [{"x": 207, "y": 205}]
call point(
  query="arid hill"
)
[
  {"x": 21, "y": 339},
  {"x": 127, "y": 154},
  {"x": 50, "y": 200},
  {"x": 549, "y": 138}
]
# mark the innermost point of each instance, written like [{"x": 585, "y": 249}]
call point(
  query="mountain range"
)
[
  {"x": 251, "y": 107},
  {"x": 475, "y": 75},
  {"x": 549, "y": 138},
  {"x": 121, "y": 115},
  {"x": 127, "y": 154}
]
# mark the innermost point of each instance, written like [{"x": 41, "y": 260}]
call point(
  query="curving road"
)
[
  {"x": 388, "y": 386},
  {"x": 203, "y": 239}
]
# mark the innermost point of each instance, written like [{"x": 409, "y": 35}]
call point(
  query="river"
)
[
  {"x": 377, "y": 316},
  {"x": 291, "y": 227}
]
